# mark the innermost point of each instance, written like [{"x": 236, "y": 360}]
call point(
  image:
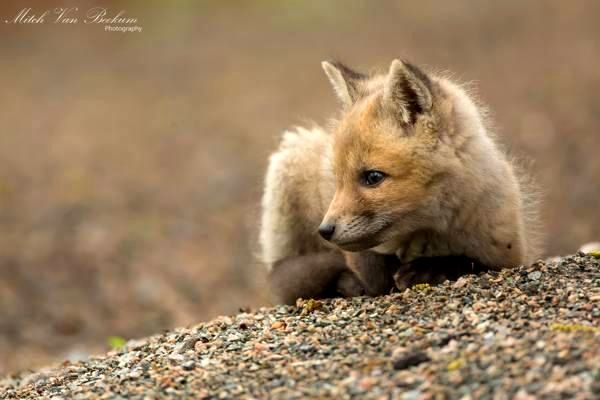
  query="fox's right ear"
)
[
  {"x": 345, "y": 82},
  {"x": 407, "y": 91}
]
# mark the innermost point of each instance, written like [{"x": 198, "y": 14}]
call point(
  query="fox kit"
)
[{"x": 408, "y": 172}]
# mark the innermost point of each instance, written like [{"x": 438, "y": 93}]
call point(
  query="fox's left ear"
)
[
  {"x": 407, "y": 92},
  {"x": 346, "y": 82}
]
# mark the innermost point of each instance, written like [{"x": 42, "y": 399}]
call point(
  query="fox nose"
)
[{"x": 327, "y": 231}]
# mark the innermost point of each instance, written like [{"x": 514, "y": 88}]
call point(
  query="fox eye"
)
[{"x": 372, "y": 177}]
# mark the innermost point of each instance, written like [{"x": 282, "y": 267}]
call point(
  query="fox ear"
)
[
  {"x": 407, "y": 91},
  {"x": 345, "y": 82}
]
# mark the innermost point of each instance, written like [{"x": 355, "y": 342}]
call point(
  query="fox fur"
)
[{"x": 448, "y": 192}]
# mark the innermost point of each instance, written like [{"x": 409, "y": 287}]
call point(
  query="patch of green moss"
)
[
  {"x": 456, "y": 364},
  {"x": 421, "y": 287},
  {"x": 574, "y": 328},
  {"x": 309, "y": 306},
  {"x": 116, "y": 342}
]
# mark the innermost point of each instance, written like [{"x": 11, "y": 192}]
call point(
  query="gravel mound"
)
[{"x": 530, "y": 332}]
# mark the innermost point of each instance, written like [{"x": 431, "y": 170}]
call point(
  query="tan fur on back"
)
[{"x": 298, "y": 188}]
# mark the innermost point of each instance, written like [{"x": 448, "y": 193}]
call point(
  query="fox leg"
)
[
  {"x": 428, "y": 258},
  {"x": 375, "y": 271},
  {"x": 316, "y": 275}
]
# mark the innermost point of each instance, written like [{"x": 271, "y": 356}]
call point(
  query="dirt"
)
[{"x": 526, "y": 333}]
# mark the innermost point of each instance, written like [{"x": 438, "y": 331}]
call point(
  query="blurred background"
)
[{"x": 131, "y": 164}]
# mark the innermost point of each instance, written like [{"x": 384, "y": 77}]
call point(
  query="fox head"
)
[{"x": 392, "y": 154}]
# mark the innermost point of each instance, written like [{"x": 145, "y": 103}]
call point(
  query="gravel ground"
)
[{"x": 531, "y": 332}]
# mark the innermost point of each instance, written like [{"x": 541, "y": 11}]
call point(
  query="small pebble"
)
[
  {"x": 535, "y": 275},
  {"x": 188, "y": 365},
  {"x": 409, "y": 359}
]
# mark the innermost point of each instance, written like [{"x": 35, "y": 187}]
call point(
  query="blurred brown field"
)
[{"x": 131, "y": 164}]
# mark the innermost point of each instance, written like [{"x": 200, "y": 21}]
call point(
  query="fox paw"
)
[
  {"x": 348, "y": 285},
  {"x": 412, "y": 274}
]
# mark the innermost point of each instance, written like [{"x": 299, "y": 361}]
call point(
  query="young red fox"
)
[{"x": 409, "y": 173}]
